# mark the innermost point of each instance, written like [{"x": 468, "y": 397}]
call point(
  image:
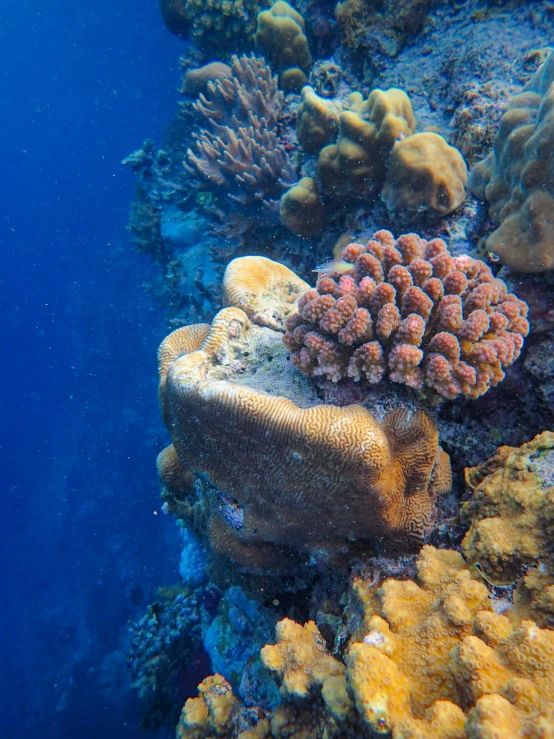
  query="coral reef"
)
[
  {"x": 301, "y": 209},
  {"x": 355, "y": 165},
  {"x": 512, "y": 519},
  {"x": 407, "y": 309},
  {"x": 214, "y": 25},
  {"x": 425, "y": 174},
  {"x": 360, "y": 479},
  {"x": 280, "y": 35},
  {"x": 516, "y": 179},
  {"x": 429, "y": 658},
  {"x": 240, "y": 151}
]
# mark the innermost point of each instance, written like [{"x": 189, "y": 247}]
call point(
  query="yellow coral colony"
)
[
  {"x": 516, "y": 177},
  {"x": 432, "y": 660},
  {"x": 305, "y": 476}
]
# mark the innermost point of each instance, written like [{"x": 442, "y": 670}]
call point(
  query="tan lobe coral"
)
[
  {"x": 425, "y": 174},
  {"x": 356, "y": 164},
  {"x": 301, "y": 209}
]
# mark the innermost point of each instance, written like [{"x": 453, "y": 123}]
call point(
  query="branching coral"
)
[
  {"x": 409, "y": 310},
  {"x": 240, "y": 151},
  {"x": 512, "y": 522},
  {"x": 516, "y": 178},
  {"x": 214, "y": 25},
  {"x": 316, "y": 479},
  {"x": 281, "y": 38},
  {"x": 425, "y": 174}
]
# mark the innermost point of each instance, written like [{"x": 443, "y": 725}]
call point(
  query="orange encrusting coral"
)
[{"x": 408, "y": 309}]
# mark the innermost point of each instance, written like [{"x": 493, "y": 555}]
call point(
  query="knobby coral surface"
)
[
  {"x": 512, "y": 523},
  {"x": 239, "y": 152},
  {"x": 430, "y": 659},
  {"x": 408, "y": 310},
  {"x": 318, "y": 480},
  {"x": 516, "y": 177}
]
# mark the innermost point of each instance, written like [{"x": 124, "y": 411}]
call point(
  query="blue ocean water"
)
[{"x": 82, "y": 548}]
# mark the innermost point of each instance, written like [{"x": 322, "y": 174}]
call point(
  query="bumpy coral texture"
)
[
  {"x": 280, "y": 35},
  {"x": 512, "y": 523},
  {"x": 356, "y": 164},
  {"x": 431, "y": 659},
  {"x": 409, "y": 310},
  {"x": 240, "y": 153},
  {"x": 425, "y": 174},
  {"x": 315, "y": 480},
  {"x": 214, "y": 25},
  {"x": 301, "y": 209},
  {"x": 516, "y": 177}
]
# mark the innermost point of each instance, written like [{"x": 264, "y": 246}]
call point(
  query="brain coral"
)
[
  {"x": 409, "y": 310},
  {"x": 424, "y": 173},
  {"x": 516, "y": 177},
  {"x": 430, "y": 660},
  {"x": 214, "y": 25},
  {"x": 289, "y": 476},
  {"x": 239, "y": 152},
  {"x": 512, "y": 523},
  {"x": 280, "y": 36}
]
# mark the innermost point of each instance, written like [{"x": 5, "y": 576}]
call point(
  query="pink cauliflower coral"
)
[{"x": 410, "y": 310}]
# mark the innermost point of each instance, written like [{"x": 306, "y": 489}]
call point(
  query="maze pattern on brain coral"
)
[{"x": 409, "y": 310}]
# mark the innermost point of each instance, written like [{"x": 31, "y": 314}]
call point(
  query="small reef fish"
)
[{"x": 334, "y": 267}]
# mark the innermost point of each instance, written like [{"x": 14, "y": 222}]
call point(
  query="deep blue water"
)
[{"x": 82, "y": 549}]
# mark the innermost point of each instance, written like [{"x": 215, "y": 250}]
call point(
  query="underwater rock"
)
[
  {"x": 233, "y": 641},
  {"x": 196, "y": 81},
  {"x": 407, "y": 309},
  {"x": 214, "y": 26},
  {"x": 287, "y": 474},
  {"x": 516, "y": 180}
]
